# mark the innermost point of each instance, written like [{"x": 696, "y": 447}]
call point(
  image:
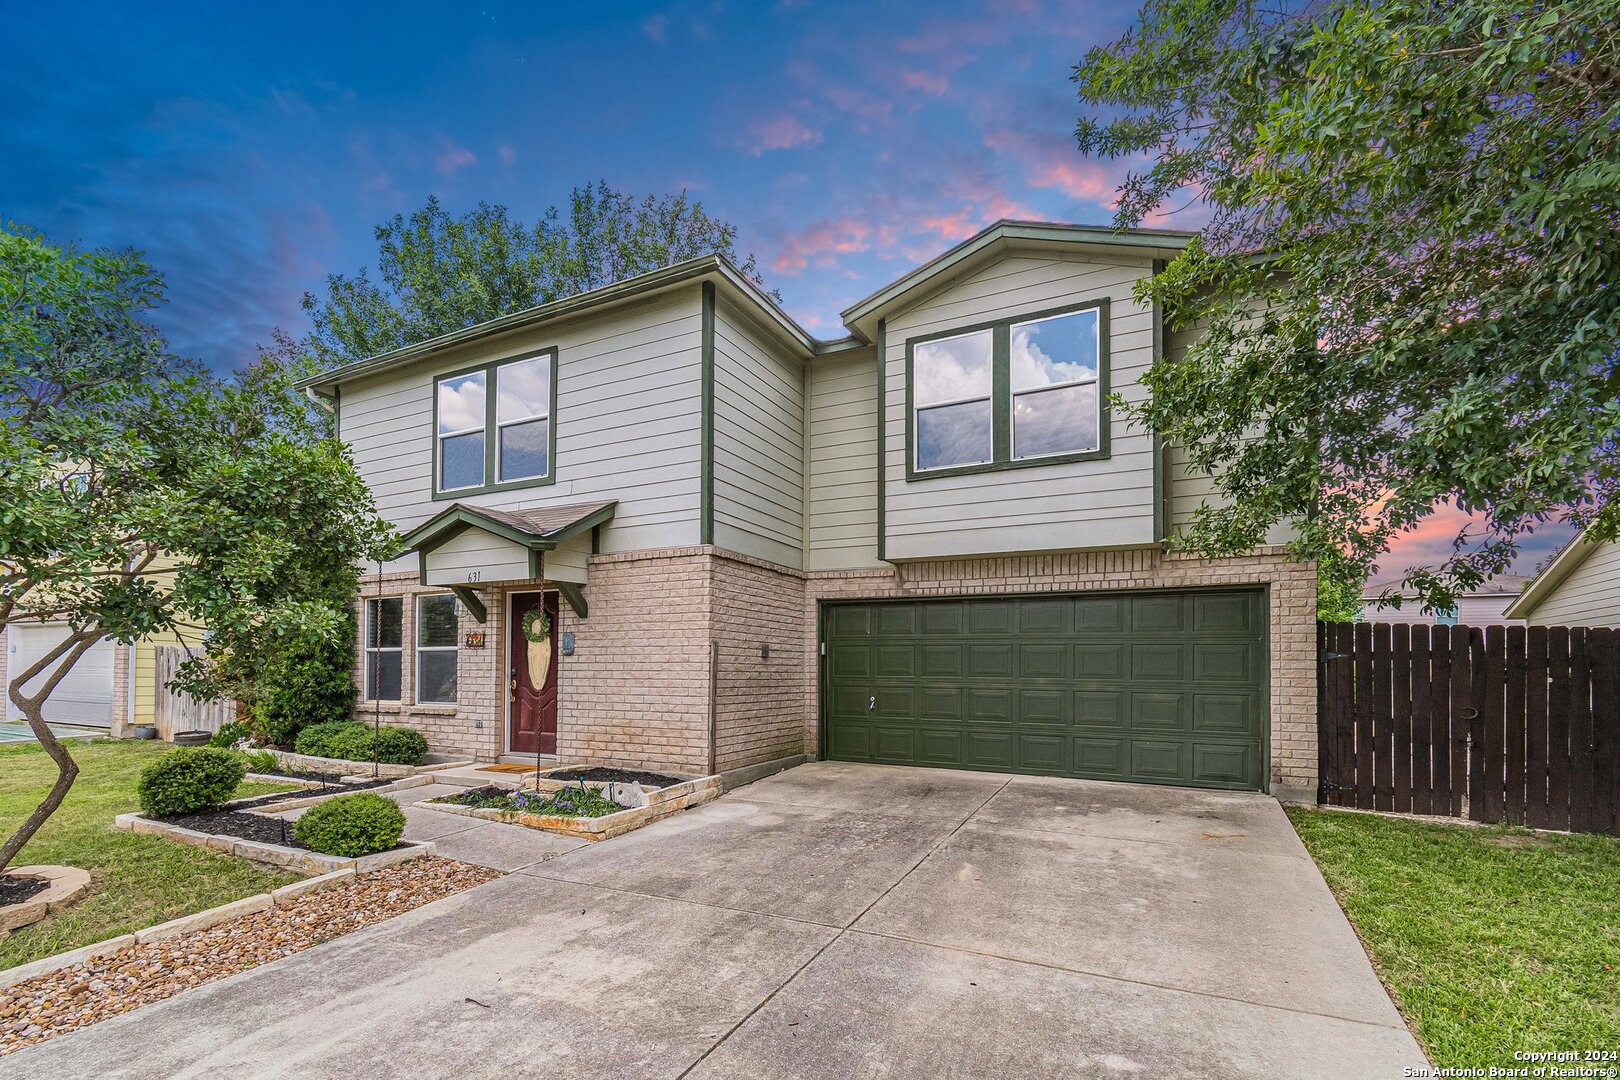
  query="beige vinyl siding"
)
[
  {"x": 1471, "y": 611},
  {"x": 568, "y": 561},
  {"x": 758, "y": 442},
  {"x": 1075, "y": 505},
  {"x": 1589, "y": 596},
  {"x": 629, "y": 423},
  {"x": 475, "y": 556},
  {"x": 842, "y": 406}
]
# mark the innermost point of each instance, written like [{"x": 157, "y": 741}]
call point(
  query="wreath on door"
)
[{"x": 536, "y": 625}]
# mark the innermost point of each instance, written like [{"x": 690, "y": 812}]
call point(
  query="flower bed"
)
[
  {"x": 660, "y": 802},
  {"x": 579, "y": 801}
]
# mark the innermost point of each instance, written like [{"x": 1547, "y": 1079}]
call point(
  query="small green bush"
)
[
  {"x": 230, "y": 734},
  {"x": 350, "y": 826},
  {"x": 351, "y": 741},
  {"x": 188, "y": 779}
]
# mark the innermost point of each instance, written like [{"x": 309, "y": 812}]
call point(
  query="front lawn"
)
[
  {"x": 137, "y": 880},
  {"x": 1491, "y": 940}
]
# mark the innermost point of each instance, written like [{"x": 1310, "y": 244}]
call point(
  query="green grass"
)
[
  {"x": 1491, "y": 940},
  {"x": 136, "y": 880}
]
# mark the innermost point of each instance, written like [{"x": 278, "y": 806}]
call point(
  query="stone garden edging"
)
[
  {"x": 185, "y": 924},
  {"x": 308, "y": 762},
  {"x": 287, "y": 858},
  {"x": 297, "y": 802},
  {"x": 66, "y": 884},
  {"x": 660, "y": 804}
]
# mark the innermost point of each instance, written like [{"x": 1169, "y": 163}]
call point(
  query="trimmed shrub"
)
[
  {"x": 305, "y": 681},
  {"x": 350, "y": 826},
  {"x": 230, "y": 734},
  {"x": 188, "y": 779},
  {"x": 352, "y": 740}
]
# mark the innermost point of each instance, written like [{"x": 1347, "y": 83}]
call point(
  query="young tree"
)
[
  {"x": 439, "y": 273},
  {"x": 1409, "y": 273},
  {"x": 140, "y": 495}
]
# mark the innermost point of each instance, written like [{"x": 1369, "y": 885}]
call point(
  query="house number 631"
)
[{"x": 474, "y": 575}]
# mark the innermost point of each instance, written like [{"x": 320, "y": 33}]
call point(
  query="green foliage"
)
[
  {"x": 1435, "y": 189},
  {"x": 352, "y": 741},
  {"x": 260, "y": 761},
  {"x": 231, "y": 733},
  {"x": 350, "y": 826},
  {"x": 569, "y": 801},
  {"x": 190, "y": 778},
  {"x": 437, "y": 273}
]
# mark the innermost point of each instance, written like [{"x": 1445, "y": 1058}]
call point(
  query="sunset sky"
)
[{"x": 249, "y": 151}]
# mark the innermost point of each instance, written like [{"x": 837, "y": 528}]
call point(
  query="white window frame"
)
[
  {"x": 454, "y": 647},
  {"x": 439, "y": 437},
  {"x": 370, "y": 651}
]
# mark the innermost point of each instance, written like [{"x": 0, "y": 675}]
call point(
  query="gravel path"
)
[{"x": 78, "y": 996}]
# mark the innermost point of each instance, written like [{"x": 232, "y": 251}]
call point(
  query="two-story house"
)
[{"x": 930, "y": 542}]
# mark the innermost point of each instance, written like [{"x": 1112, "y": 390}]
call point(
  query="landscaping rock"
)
[{"x": 100, "y": 984}]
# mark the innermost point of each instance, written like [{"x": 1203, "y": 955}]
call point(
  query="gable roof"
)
[
  {"x": 1500, "y": 585},
  {"x": 715, "y": 268},
  {"x": 994, "y": 242},
  {"x": 1566, "y": 562},
  {"x": 541, "y": 529}
]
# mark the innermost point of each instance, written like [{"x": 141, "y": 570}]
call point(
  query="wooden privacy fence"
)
[
  {"x": 175, "y": 711},
  {"x": 1515, "y": 724}
]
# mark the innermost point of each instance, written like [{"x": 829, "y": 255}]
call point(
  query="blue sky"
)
[{"x": 250, "y": 149}]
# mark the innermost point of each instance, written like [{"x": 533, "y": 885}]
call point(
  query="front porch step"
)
[{"x": 546, "y": 760}]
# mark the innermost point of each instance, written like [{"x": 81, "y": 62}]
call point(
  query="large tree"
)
[
  {"x": 437, "y": 273},
  {"x": 139, "y": 494},
  {"x": 1408, "y": 272}
]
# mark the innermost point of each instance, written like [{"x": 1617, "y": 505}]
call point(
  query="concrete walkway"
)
[{"x": 832, "y": 921}]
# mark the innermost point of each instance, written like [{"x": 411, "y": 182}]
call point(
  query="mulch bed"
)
[
  {"x": 266, "y": 830},
  {"x": 615, "y": 776},
  {"x": 78, "y": 996},
  {"x": 15, "y": 889}
]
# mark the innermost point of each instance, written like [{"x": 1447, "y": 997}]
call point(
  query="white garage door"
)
[{"x": 84, "y": 697}]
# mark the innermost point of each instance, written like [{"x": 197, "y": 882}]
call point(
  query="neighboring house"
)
[
  {"x": 929, "y": 542},
  {"x": 99, "y": 692},
  {"x": 1485, "y": 606},
  {"x": 1579, "y": 587}
]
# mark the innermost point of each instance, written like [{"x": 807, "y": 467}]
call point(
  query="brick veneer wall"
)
[
  {"x": 636, "y": 690},
  {"x": 761, "y": 700},
  {"x": 1292, "y": 631}
]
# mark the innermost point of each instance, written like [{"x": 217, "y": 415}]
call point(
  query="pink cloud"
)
[
  {"x": 940, "y": 36},
  {"x": 964, "y": 223},
  {"x": 780, "y": 133},
  {"x": 453, "y": 157},
  {"x": 655, "y": 26},
  {"x": 820, "y": 243},
  {"x": 840, "y": 94},
  {"x": 508, "y": 155},
  {"x": 1048, "y": 166},
  {"x": 927, "y": 82}
]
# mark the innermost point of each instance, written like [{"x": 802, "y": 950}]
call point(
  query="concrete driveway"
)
[{"x": 832, "y": 921}]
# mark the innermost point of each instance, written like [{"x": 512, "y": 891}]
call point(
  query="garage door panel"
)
[
  {"x": 990, "y": 706},
  {"x": 1162, "y": 687},
  {"x": 1104, "y": 758},
  {"x": 1101, "y": 709},
  {"x": 84, "y": 696},
  {"x": 1218, "y": 714},
  {"x": 891, "y": 661},
  {"x": 1099, "y": 661},
  {"x": 1159, "y": 712},
  {"x": 1162, "y": 662},
  {"x": 1049, "y": 660},
  {"x": 1221, "y": 763},
  {"x": 990, "y": 661},
  {"x": 1043, "y": 617},
  {"x": 849, "y": 622},
  {"x": 1043, "y": 707},
  {"x": 1043, "y": 753},
  {"x": 988, "y": 750}
]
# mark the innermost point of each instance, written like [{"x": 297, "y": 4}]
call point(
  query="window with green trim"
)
[
  {"x": 1018, "y": 391},
  {"x": 493, "y": 426}
]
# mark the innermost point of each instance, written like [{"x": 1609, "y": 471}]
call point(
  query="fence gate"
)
[
  {"x": 175, "y": 711},
  {"x": 1515, "y": 724}
]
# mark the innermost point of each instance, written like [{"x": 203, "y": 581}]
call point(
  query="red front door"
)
[{"x": 533, "y": 708}]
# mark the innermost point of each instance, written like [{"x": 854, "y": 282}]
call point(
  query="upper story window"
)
[
  {"x": 1024, "y": 391},
  {"x": 493, "y": 427}
]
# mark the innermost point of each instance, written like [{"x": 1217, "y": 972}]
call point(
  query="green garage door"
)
[{"x": 1160, "y": 687}]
